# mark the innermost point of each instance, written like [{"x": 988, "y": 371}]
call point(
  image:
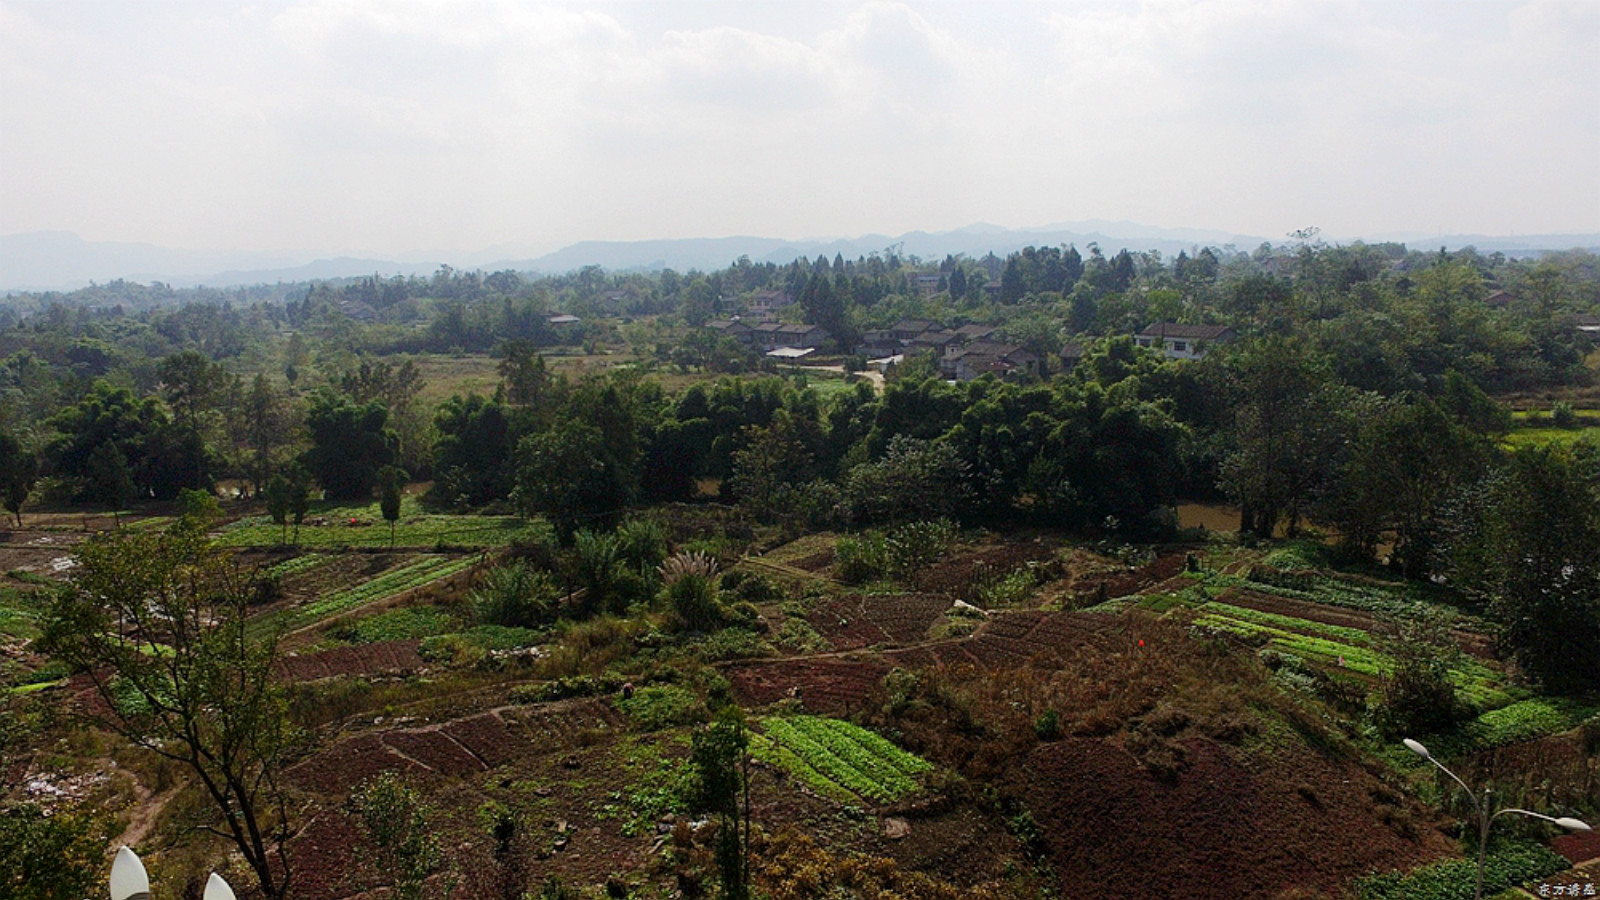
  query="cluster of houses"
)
[
  {"x": 964, "y": 353},
  {"x": 769, "y": 337}
]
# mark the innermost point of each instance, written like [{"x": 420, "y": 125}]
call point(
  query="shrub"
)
[
  {"x": 642, "y": 543},
  {"x": 693, "y": 601},
  {"x": 1417, "y": 694},
  {"x": 860, "y": 559},
  {"x": 1047, "y": 726},
  {"x": 1562, "y": 416},
  {"x": 515, "y": 596},
  {"x": 915, "y": 544}
]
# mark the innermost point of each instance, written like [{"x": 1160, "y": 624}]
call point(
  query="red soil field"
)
[
  {"x": 434, "y": 749},
  {"x": 321, "y": 854},
  {"x": 1578, "y": 847},
  {"x": 344, "y": 765},
  {"x": 460, "y": 746},
  {"x": 1226, "y": 826},
  {"x": 856, "y": 621},
  {"x": 954, "y": 576},
  {"x": 825, "y": 685},
  {"x": 1132, "y": 582},
  {"x": 362, "y": 659}
]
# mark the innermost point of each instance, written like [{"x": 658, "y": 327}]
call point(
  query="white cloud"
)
[{"x": 360, "y": 124}]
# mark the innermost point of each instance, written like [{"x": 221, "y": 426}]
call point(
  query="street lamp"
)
[
  {"x": 1484, "y": 816},
  {"x": 129, "y": 881}
]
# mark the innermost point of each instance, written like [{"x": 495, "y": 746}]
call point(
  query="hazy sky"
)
[{"x": 388, "y": 126}]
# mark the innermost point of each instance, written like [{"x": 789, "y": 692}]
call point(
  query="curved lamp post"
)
[
  {"x": 128, "y": 878},
  {"x": 1483, "y": 806},
  {"x": 129, "y": 881}
]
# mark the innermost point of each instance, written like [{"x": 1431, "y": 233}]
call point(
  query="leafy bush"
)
[
  {"x": 663, "y": 706},
  {"x": 562, "y": 688},
  {"x": 860, "y": 559},
  {"x": 516, "y": 596},
  {"x": 693, "y": 601},
  {"x": 1416, "y": 691},
  {"x": 915, "y": 544},
  {"x": 895, "y": 553}
]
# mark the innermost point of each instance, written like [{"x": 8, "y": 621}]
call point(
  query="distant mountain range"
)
[{"x": 58, "y": 260}]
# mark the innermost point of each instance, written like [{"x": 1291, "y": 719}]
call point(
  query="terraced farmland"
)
[
  {"x": 362, "y": 525},
  {"x": 1345, "y": 648},
  {"x": 838, "y": 760},
  {"x": 395, "y": 581}
]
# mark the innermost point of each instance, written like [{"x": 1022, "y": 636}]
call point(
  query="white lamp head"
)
[
  {"x": 217, "y": 889},
  {"x": 1572, "y": 824},
  {"x": 128, "y": 878},
  {"x": 1417, "y": 748}
]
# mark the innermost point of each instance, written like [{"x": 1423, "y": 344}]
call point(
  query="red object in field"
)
[
  {"x": 352, "y": 520},
  {"x": 1141, "y": 642}
]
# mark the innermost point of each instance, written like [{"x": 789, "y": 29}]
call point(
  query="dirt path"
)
[{"x": 145, "y": 812}]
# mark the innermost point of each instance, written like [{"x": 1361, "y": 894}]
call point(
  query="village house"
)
[
  {"x": 939, "y": 342},
  {"x": 563, "y": 322},
  {"x": 358, "y": 310},
  {"x": 1071, "y": 354},
  {"x": 767, "y": 336},
  {"x": 926, "y": 285},
  {"x": 733, "y": 328},
  {"x": 878, "y": 343},
  {"x": 1177, "y": 341},
  {"x": 767, "y": 303},
  {"x": 1008, "y": 362},
  {"x": 907, "y": 330}
]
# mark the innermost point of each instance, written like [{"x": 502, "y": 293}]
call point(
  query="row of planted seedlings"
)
[{"x": 837, "y": 759}]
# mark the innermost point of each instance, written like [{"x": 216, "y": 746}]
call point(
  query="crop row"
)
[
  {"x": 345, "y": 525},
  {"x": 296, "y": 566},
  {"x": 1329, "y": 591},
  {"x": 388, "y": 584},
  {"x": 1290, "y": 623},
  {"x": 776, "y": 754},
  {"x": 846, "y": 756},
  {"x": 1479, "y": 685}
]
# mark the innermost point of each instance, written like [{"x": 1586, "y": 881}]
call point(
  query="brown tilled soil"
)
[
  {"x": 955, "y": 575},
  {"x": 824, "y": 685},
  {"x": 387, "y": 657},
  {"x": 855, "y": 621},
  {"x": 1224, "y": 827},
  {"x": 457, "y": 747},
  {"x": 1132, "y": 581}
]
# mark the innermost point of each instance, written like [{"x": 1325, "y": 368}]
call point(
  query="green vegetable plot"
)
[
  {"x": 421, "y": 572},
  {"x": 1349, "y": 648},
  {"x": 838, "y": 760},
  {"x": 362, "y": 525}
]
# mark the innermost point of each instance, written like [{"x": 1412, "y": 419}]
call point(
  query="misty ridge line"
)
[{"x": 59, "y": 260}]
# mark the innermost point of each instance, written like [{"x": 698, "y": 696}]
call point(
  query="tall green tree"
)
[
  {"x": 722, "y": 772},
  {"x": 155, "y": 623},
  {"x": 567, "y": 474},
  {"x": 391, "y": 488},
  {"x": 19, "y": 469},
  {"x": 195, "y": 388},
  {"x": 1526, "y": 542},
  {"x": 349, "y": 444}
]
